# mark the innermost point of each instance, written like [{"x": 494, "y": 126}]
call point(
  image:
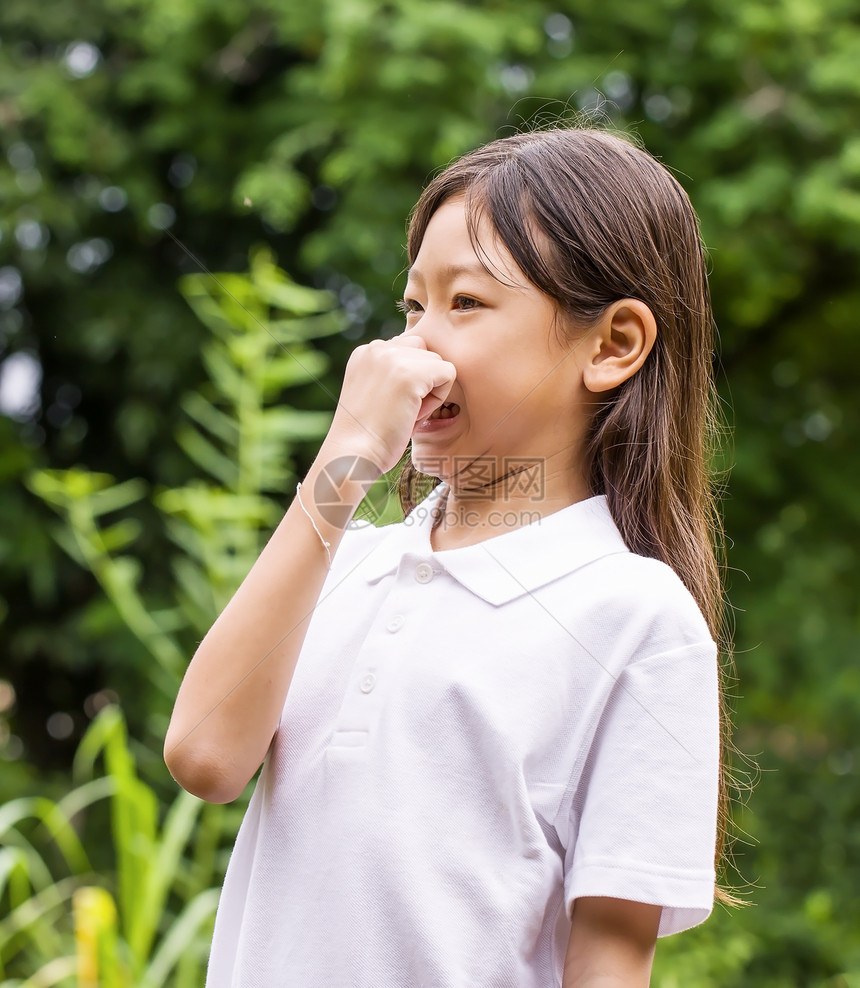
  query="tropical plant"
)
[{"x": 139, "y": 917}]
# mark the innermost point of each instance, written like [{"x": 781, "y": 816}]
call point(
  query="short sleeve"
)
[{"x": 644, "y": 815}]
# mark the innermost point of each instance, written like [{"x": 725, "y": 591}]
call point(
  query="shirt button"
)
[
  {"x": 424, "y": 572},
  {"x": 367, "y": 683},
  {"x": 395, "y": 624}
]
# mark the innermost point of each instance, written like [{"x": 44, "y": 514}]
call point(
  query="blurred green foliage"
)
[
  {"x": 145, "y": 142},
  {"x": 151, "y": 926},
  {"x": 239, "y": 438}
]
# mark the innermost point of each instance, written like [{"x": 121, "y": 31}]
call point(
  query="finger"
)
[
  {"x": 409, "y": 339},
  {"x": 445, "y": 373}
]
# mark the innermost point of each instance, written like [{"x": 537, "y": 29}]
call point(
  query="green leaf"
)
[
  {"x": 207, "y": 456},
  {"x": 164, "y": 861},
  {"x": 184, "y": 933},
  {"x": 203, "y": 412}
]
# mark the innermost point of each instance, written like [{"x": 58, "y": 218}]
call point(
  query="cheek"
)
[{"x": 496, "y": 403}]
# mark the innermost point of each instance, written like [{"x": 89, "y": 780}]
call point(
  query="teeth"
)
[{"x": 446, "y": 411}]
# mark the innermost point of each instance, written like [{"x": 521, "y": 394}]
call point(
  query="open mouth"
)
[{"x": 446, "y": 411}]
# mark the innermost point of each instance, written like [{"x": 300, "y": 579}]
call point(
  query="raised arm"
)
[
  {"x": 612, "y": 943},
  {"x": 233, "y": 693}
]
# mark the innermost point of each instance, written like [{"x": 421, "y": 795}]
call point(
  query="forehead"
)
[{"x": 452, "y": 247}]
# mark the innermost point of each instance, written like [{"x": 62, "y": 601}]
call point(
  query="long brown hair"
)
[{"x": 613, "y": 223}]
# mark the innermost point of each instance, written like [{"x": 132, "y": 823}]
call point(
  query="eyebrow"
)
[{"x": 452, "y": 271}]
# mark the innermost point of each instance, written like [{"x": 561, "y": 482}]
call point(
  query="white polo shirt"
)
[{"x": 473, "y": 738}]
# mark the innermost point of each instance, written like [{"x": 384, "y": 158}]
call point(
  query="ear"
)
[{"x": 622, "y": 340}]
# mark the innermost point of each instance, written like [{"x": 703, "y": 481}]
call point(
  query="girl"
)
[{"x": 490, "y": 733}]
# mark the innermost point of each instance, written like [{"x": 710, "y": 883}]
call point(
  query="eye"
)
[
  {"x": 464, "y": 303},
  {"x": 407, "y": 305}
]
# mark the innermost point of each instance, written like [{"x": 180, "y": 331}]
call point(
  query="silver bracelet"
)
[{"x": 326, "y": 545}]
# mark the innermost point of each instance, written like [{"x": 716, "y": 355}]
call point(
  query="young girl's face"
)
[{"x": 519, "y": 386}]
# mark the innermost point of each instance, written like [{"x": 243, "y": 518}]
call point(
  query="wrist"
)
[
  {"x": 325, "y": 543},
  {"x": 350, "y": 437},
  {"x": 349, "y": 462}
]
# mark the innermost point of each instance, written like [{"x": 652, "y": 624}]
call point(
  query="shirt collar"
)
[{"x": 509, "y": 565}]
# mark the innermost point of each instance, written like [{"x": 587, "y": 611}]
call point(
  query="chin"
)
[{"x": 433, "y": 464}]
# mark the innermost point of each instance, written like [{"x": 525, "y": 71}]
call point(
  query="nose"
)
[{"x": 427, "y": 327}]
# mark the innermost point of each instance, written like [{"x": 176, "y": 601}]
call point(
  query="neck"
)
[{"x": 475, "y": 514}]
